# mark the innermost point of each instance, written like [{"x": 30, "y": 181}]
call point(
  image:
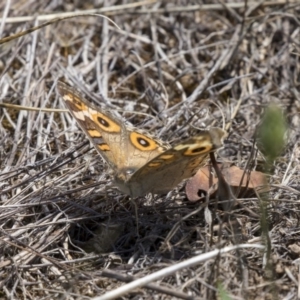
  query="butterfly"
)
[{"x": 141, "y": 163}]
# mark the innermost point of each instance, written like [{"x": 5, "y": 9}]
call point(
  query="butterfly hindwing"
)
[{"x": 168, "y": 169}]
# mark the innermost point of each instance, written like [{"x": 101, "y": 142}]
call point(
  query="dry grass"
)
[{"x": 178, "y": 68}]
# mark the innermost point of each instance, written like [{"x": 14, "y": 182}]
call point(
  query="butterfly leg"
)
[{"x": 134, "y": 202}]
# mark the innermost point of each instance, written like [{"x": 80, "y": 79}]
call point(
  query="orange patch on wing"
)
[
  {"x": 75, "y": 101},
  {"x": 142, "y": 142},
  {"x": 104, "y": 147},
  {"x": 94, "y": 133},
  {"x": 154, "y": 164},
  {"x": 166, "y": 156},
  {"x": 105, "y": 123}
]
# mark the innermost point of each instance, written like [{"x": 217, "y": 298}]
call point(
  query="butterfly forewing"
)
[
  {"x": 124, "y": 147},
  {"x": 97, "y": 125}
]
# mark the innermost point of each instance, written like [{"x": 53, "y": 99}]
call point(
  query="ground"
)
[{"x": 172, "y": 69}]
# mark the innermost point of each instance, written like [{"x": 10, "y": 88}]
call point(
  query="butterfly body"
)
[{"x": 141, "y": 163}]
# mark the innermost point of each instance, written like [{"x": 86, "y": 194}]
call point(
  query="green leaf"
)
[
  {"x": 223, "y": 293},
  {"x": 271, "y": 132}
]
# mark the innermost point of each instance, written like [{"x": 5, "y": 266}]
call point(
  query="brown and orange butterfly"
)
[{"x": 141, "y": 164}]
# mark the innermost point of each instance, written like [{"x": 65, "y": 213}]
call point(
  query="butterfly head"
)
[
  {"x": 121, "y": 180},
  {"x": 124, "y": 174}
]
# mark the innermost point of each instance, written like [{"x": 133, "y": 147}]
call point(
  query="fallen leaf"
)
[
  {"x": 200, "y": 182},
  {"x": 239, "y": 181}
]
